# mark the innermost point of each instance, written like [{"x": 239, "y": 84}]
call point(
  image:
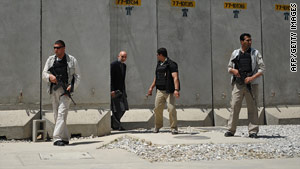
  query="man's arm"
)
[
  {"x": 253, "y": 77},
  {"x": 47, "y": 76},
  {"x": 112, "y": 76},
  {"x": 76, "y": 75},
  {"x": 176, "y": 84},
  {"x": 261, "y": 69},
  {"x": 230, "y": 67},
  {"x": 235, "y": 72},
  {"x": 151, "y": 87}
]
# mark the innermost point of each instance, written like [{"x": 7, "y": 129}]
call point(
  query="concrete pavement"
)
[{"x": 84, "y": 153}]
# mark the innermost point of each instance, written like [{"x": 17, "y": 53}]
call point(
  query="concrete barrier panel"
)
[
  {"x": 17, "y": 124},
  {"x": 281, "y": 85},
  {"x": 283, "y": 115},
  {"x": 194, "y": 117},
  {"x": 133, "y": 29},
  {"x": 83, "y": 122},
  {"x": 84, "y": 26},
  {"x": 185, "y": 32},
  {"x": 227, "y": 26},
  {"x": 222, "y": 117},
  {"x": 138, "y": 118},
  {"x": 20, "y": 54}
]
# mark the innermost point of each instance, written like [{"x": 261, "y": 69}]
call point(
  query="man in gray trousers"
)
[
  {"x": 246, "y": 66},
  {"x": 61, "y": 70}
]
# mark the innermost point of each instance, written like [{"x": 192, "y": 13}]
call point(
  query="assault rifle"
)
[
  {"x": 61, "y": 83},
  {"x": 243, "y": 75}
]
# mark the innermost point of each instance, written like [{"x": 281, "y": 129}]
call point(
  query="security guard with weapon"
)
[{"x": 246, "y": 66}]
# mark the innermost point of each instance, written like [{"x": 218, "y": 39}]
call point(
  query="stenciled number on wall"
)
[
  {"x": 184, "y": 5},
  {"x": 283, "y": 8},
  {"x": 236, "y": 6},
  {"x": 129, "y": 5}
]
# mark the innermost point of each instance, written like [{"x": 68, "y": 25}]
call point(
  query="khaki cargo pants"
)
[
  {"x": 60, "y": 109},
  {"x": 238, "y": 94},
  {"x": 160, "y": 100}
]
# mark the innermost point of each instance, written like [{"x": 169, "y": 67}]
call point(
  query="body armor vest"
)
[
  {"x": 161, "y": 76},
  {"x": 245, "y": 64},
  {"x": 60, "y": 68}
]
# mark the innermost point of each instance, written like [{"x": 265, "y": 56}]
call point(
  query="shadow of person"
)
[
  {"x": 271, "y": 137},
  {"x": 84, "y": 142}
]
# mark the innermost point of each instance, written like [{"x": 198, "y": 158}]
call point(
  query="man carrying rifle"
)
[
  {"x": 246, "y": 66},
  {"x": 61, "y": 71}
]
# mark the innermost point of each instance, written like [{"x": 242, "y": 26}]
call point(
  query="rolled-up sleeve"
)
[
  {"x": 76, "y": 74},
  {"x": 45, "y": 74},
  {"x": 260, "y": 63},
  {"x": 230, "y": 64}
]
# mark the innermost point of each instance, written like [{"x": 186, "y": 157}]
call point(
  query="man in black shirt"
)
[{"x": 167, "y": 84}]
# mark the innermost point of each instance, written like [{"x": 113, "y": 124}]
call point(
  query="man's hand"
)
[
  {"x": 235, "y": 72},
  {"x": 176, "y": 94},
  {"x": 249, "y": 79},
  {"x": 113, "y": 94},
  {"x": 69, "y": 88},
  {"x": 52, "y": 78},
  {"x": 150, "y": 92}
]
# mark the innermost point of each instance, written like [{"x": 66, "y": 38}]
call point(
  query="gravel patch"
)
[{"x": 281, "y": 141}]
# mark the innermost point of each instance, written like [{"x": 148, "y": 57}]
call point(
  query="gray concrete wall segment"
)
[
  {"x": 19, "y": 44},
  {"x": 16, "y": 124},
  {"x": 84, "y": 26},
  {"x": 138, "y": 118},
  {"x": 281, "y": 86},
  {"x": 84, "y": 122},
  {"x": 283, "y": 115},
  {"x": 226, "y": 31},
  {"x": 136, "y": 34},
  {"x": 104, "y": 125},
  {"x": 222, "y": 117},
  {"x": 187, "y": 40}
]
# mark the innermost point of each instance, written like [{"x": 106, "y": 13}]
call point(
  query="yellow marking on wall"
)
[
  {"x": 179, "y": 3},
  {"x": 279, "y": 7},
  {"x": 129, "y": 2},
  {"x": 235, "y": 5}
]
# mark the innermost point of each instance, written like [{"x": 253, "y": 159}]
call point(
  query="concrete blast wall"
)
[
  {"x": 199, "y": 37},
  {"x": 19, "y": 52}
]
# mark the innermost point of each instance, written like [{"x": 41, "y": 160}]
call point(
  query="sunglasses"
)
[{"x": 57, "y": 47}]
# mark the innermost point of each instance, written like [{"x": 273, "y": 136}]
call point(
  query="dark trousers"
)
[
  {"x": 116, "y": 119},
  {"x": 118, "y": 106}
]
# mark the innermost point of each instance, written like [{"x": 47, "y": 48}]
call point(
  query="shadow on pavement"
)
[
  {"x": 270, "y": 137},
  {"x": 84, "y": 142}
]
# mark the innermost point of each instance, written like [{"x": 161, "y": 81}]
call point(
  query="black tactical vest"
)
[
  {"x": 245, "y": 64},
  {"x": 161, "y": 76},
  {"x": 60, "y": 68}
]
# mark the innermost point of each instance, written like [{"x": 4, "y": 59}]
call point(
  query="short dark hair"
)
[
  {"x": 242, "y": 37},
  {"x": 162, "y": 51},
  {"x": 60, "y": 42}
]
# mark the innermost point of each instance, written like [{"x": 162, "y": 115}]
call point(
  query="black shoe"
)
[
  {"x": 253, "y": 135},
  {"x": 156, "y": 130},
  {"x": 66, "y": 142},
  {"x": 174, "y": 131},
  {"x": 228, "y": 134},
  {"x": 59, "y": 143},
  {"x": 115, "y": 128},
  {"x": 121, "y": 128}
]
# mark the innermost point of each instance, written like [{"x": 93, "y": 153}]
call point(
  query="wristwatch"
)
[{"x": 177, "y": 90}]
